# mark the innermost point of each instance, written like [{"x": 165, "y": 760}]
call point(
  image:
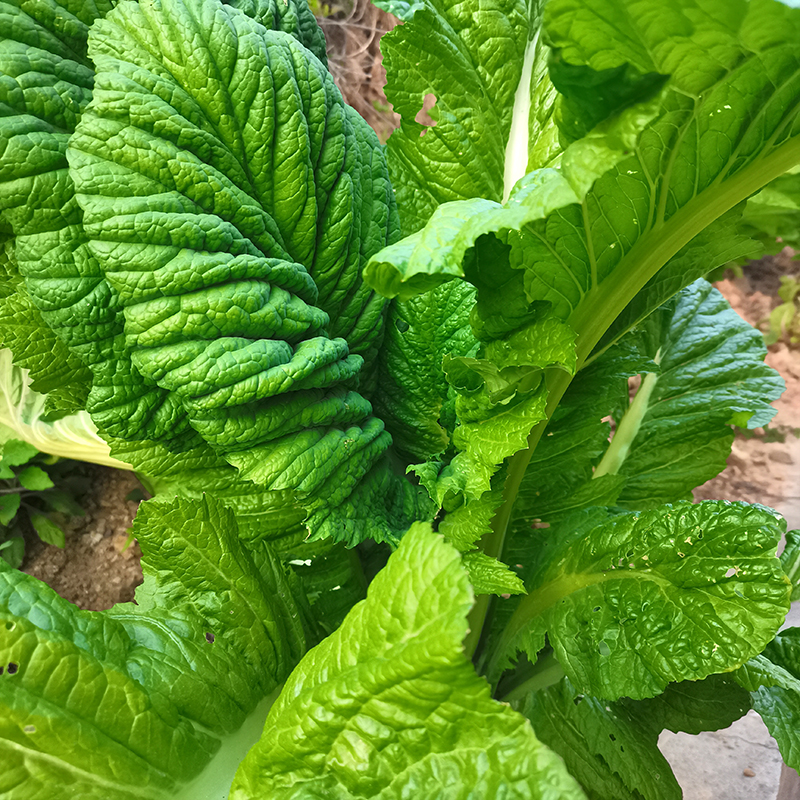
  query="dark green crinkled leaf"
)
[
  {"x": 633, "y": 602},
  {"x": 47, "y": 84},
  {"x": 49, "y": 80},
  {"x": 290, "y": 16},
  {"x": 368, "y": 713},
  {"x": 146, "y": 693},
  {"x": 347, "y": 213},
  {"x": 247, "y": 308},
  {"x": 412, "y": 390},
  {"x": 54, "y": 369},
  {"x": 43, "y": 56}
]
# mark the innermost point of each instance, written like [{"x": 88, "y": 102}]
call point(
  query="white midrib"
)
[
  {"x": 629, "y": 426},
  {"x": 516, "y": 161},
  {"x": 74, "y": 436},
  {"x": 214, "y": 782}
]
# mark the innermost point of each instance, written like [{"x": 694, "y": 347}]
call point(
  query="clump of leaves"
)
[
  {"x": 207, "y": 247},
  {"x": 36, "y": 489}
]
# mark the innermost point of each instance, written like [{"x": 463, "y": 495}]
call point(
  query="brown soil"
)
[
  {"x": 95, "y": 569},
  {"x": 763, "y": 466}
]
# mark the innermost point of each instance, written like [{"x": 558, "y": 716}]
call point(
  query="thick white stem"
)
[
  {"x": 214, "y": 782},
  {"x": 74, "y": 436},
  {"x": 516, "y": 164}
]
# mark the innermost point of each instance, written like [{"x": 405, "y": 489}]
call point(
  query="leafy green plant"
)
[
  {"x": 39, "y": 489},
  {"x": 308, "y": 342},
  {"x": 35, "y": 488},
  {"x": 784, "y": 319}
]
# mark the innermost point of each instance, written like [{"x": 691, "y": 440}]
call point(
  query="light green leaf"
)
[
  {"x": 676, "y": 434},
  {"x": 35, "y": 479},
  {"x": 48, "y": 531},
  {"x": 343, "y": 725},
  {"x": 513, "y": 365},
  {"x": 147, "y": 693},
  {"x": 17, "y": 452},
  {"x": 635, "y": 601},
  {"x": 449, "y": 246},
  {"x": 772, "y": 216},
  {"x": 790, "y": 561},
  {"x": 490, "y": 576},
  {"x": 438, "y": 253},
  {"x": 501, "y": 396},
  {"x": 491, "y": 435},
  {"x": 463, "y": 526}
]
